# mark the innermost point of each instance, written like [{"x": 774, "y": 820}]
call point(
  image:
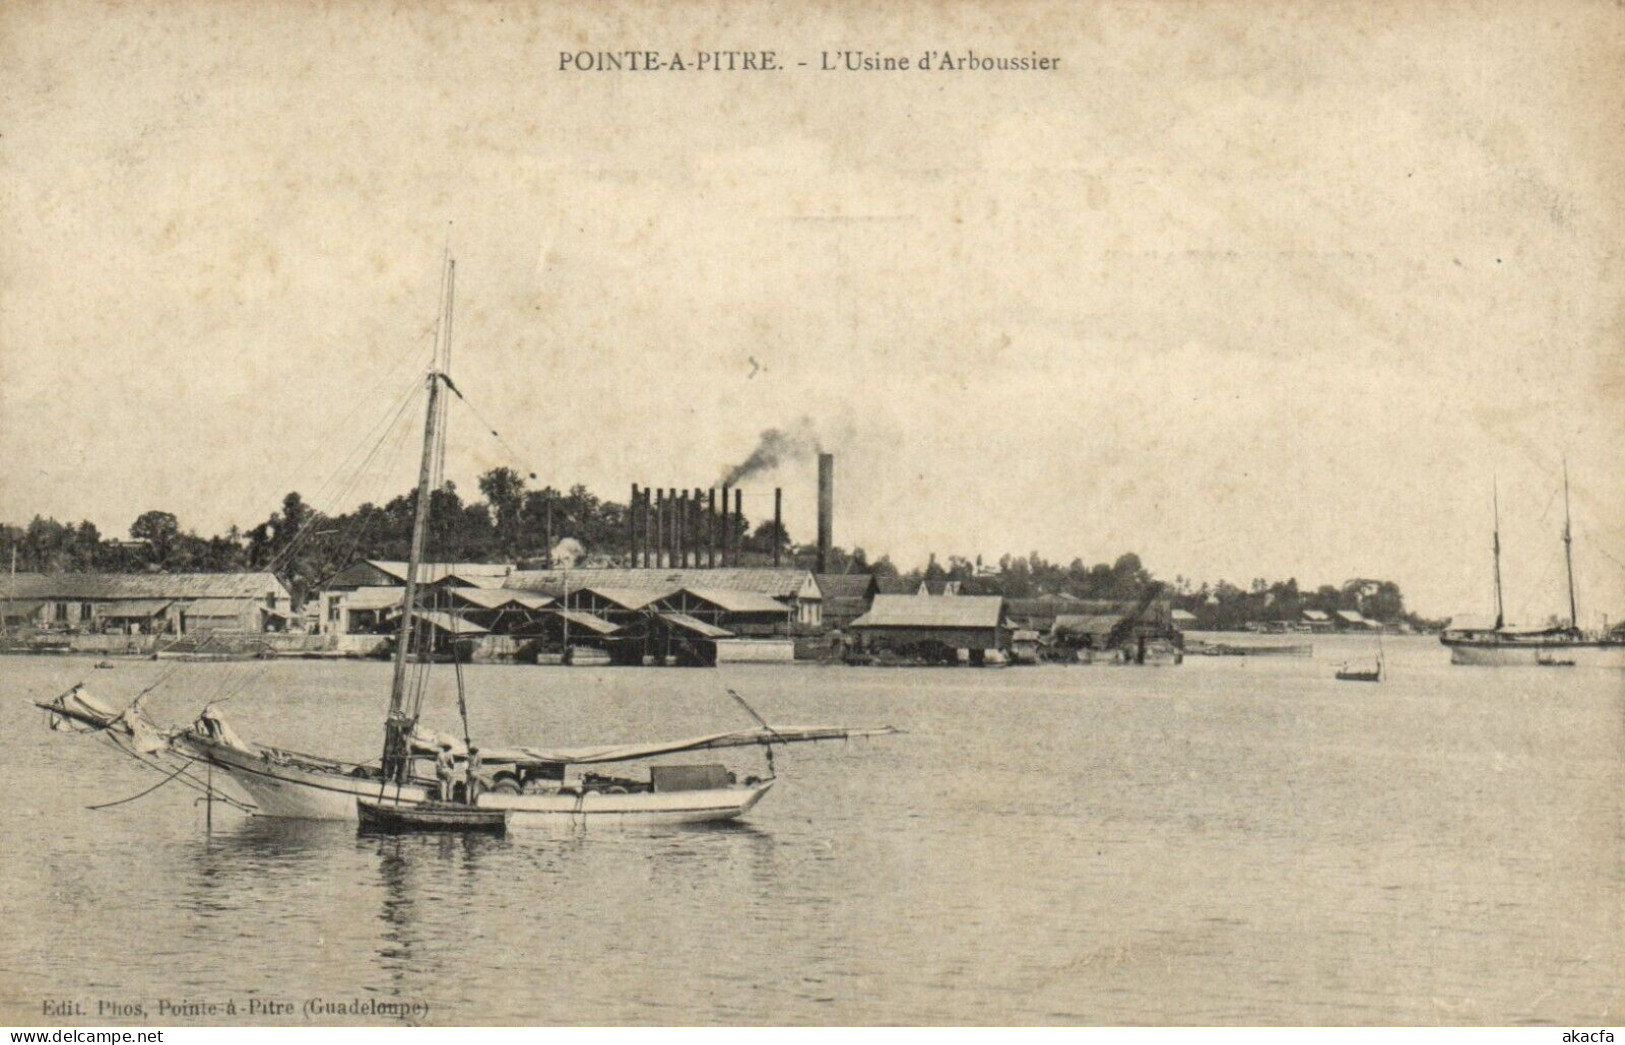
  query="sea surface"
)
[{"x": 1230, "y": 841}]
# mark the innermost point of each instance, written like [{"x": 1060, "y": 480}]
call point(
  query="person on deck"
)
[
  {"x": 472, "y": 790},
  {"x": 445, "y": 769}
]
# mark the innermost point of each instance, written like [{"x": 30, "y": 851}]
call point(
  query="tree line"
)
[{"x": 513, "y": 523}]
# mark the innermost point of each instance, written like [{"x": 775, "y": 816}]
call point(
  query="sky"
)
[{"x": 1249, "y": 289}]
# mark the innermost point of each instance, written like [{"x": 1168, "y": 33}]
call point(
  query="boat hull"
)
[
  {"x": 546, "y": 811},
  {"x": 1530, "y": 654},
  {"x": 387, "y": 817},
  {"x": 288, "y": 791},
  {"x": 292, "y": 792}
]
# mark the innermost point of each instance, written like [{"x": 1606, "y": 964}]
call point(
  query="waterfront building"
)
[{"x": 146, "y": 603}]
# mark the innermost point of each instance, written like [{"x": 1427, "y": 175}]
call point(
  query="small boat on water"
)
[
  {"x": 378, "y": 815},
  {"x": 1348, "y": 673},
  {"x": 1226, "y": 649},
  {"x": 1551, "y": 660}
]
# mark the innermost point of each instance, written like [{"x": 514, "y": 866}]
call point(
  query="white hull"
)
[
  {"x": 1584, "y": 655},
  {"x": 288, "y": 791},
  {"x": 547, "y": 811}
]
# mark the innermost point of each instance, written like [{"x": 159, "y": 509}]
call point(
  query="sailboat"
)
[
  {"x": 1555, "y": 645},
  {"x": 518, "y": 785}
]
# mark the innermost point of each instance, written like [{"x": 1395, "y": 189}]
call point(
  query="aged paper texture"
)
[{"x": 1215, "y": 295}]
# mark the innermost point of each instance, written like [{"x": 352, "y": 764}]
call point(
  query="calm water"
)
[{"x": 1230, "y": 841}]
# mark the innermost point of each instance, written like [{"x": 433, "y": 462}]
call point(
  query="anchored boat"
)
[
  {"x": 415, "y": 785},
  {"x": 1345, "y": 673},
  {"x": 1558, "y": 645},
  {"x": 392, "y": 818}
]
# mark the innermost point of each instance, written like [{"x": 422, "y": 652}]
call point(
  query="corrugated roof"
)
[
  {"x": 93, "y": 586},
  {"x": 496, "y": 598},
  {"x": 142, "y": 608},
  {"x": 846, "y": 585},
  {"x": 739, "y": 601},
  {"x": 696, "y": 627},
  {"x": 375, "y": 598},
  {"x": 933, "y": 611},
  {"x": 625, "y": 598},
  {"x": 1315, "y": 615},
  {"x": 780, "y": 583},
  {"x": 844, "y": 609},
  {"x": 449, "y": 623},
  {"x": 1184, "y": 616},
  {"x": 591, "y": 622},
  {"x": 430, "y": 572},
  {"x": 1352, "y": 616}
]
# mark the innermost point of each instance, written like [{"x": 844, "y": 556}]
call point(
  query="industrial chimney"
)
[
  {"x": 632, "y": 527},
  {"x": 739, "y": 522},
  {"x": 778, "y": 522},
  {"x": 727, "y": 530},
  {"x": 660, "y": 528},
  {"x": 711, "y": 529},
  {"x": 826, "y": 508}
]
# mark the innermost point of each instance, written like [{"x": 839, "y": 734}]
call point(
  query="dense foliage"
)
[{"x": 515, "y": 524}]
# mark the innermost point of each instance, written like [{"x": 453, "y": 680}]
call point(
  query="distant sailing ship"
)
[{"x": 1552, "y": 645}]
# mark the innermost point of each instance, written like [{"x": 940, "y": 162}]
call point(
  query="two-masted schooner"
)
[
  {"x": 1547, "y": 645},
  {"x": 519, "y": 784}
]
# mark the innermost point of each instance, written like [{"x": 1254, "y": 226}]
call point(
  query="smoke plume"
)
[
  {"x": 568, "y": 554},
  {"x": 775, "y": 447}
]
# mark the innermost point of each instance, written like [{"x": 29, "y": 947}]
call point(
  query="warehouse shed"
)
[{"x": 967, "y": 622}]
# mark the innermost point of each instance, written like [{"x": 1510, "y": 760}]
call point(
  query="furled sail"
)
[
  {"x": 632, "y": 752},
  {"x": 76, "y": 709},
  {"x": 80, "y": 712}
]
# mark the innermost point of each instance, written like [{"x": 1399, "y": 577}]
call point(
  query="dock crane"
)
[{"x": 1124, "y": 629}]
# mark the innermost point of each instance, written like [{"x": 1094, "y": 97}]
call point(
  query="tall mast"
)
[
  {"x": 1568, "y": 548},
  {"x": 398, "y": 729},
  {"x": 1500, "y": 612}
]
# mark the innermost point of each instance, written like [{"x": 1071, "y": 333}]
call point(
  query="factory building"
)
[
  {"x": 795, "y": 591},
  {"x": 362, "y": 597},
  {"x": 497, "y": 610},
  {"x": 618, "y": 606},
  {"x": 738, "y": 612}
]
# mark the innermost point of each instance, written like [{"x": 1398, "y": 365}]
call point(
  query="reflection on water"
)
[{"x": 1229, "y": 841}]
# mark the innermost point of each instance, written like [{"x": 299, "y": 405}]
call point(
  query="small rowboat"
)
[
  {"x": 401, "y": 818},
  {"x": 1345, "y": 673}
]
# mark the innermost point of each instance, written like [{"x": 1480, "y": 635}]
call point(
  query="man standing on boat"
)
[
  {"x": 445, "y": 769},
  {"x": 471, "y": 790}
]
